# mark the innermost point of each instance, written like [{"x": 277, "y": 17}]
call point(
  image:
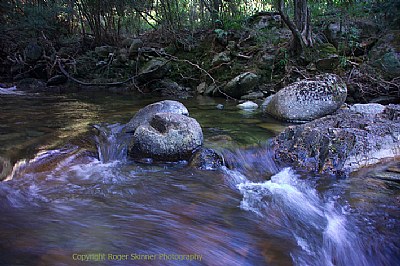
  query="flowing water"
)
[{"x": 71, "y": 197}]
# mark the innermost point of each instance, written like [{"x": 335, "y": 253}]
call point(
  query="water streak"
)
[
  {"x": 112, "y": 142},
  {"x": 289, "y": 206},
  {"x": 10, "y": 91}
]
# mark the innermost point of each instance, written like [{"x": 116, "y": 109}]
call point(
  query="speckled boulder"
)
[
  {"x": 308, "y": 99},
  {"x": 166, "y": 137}
]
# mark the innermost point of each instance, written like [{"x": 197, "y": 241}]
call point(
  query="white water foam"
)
[
  {"x": 292, "y": 208},
  {"x": 11, "y": 91}
]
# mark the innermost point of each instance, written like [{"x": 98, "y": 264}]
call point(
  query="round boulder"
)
[
  {"x": 144, "y": 115},
  {"x": 166, "y": 137},
  {"x": 156, "y": 68},
  {"x": 241, "y": 84},
  {"x": 308, "y": 99}
]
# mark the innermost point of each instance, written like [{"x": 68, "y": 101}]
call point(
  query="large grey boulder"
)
[
  {"x": 385, "y": 55},
  {"x": 104, "y": 51},
  {"x": 134, "y": 47},
  {"x": 156, "y": 68},
  {"x": 166, "y": 137},
  {"x": 144, "y": 115},
  {"x": 308, "y": 99},
  {"x": 342, "y": 143},
  {"x": 220, "y": 58},
  {"x": 241, "y": 84}
]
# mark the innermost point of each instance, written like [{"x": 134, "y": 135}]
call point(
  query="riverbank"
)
[{"x": 249, "y": 63}]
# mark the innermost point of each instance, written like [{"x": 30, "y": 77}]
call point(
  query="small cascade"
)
[
  {"x": 289, "y": 207},
  {"x": 112, "y": 142},
  {"x": 254, "y": 162}
]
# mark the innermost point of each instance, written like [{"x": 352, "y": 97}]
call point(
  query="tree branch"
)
[{"x": 91, "y": 84}]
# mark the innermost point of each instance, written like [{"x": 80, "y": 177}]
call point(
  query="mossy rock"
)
[
  {"x": 385, "y": 55},
  {"x": 326, "y": 49}
]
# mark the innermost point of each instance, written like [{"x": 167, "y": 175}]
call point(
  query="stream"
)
[{"x": 73, "y": 198}]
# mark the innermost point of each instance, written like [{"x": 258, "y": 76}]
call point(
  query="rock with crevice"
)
[
  {"x": 341, "y": 143},
  {"x": 167, "y": 137},
  {"x": 163, "y": 131},
  {"x": 145, "y": 114}
]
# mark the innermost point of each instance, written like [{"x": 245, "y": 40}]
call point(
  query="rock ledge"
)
[{"x": 342, "y": 143}]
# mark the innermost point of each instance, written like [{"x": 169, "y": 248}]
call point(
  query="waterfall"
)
[{"x": 112, "y": 142}]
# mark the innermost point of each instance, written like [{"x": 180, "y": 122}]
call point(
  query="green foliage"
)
[
  {"x": 34, "y": 18},
  {"x": 283, "y": 58},
  {"x": 342, "y": 62},
  {"x": 221, "y": 33},
  {"x": 108, "y": 20}
]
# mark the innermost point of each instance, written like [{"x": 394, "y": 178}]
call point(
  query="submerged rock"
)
[
  {"x": 341, "y": 143},
  {"x": 163, "y": 131},
  {"x": 307, "y": 100},
  {"x": 206, "y": 159}
]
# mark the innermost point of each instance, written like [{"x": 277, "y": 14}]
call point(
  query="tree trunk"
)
[
  {"x": 301, "y": 28},
  {"x": 302, "y": 21}
]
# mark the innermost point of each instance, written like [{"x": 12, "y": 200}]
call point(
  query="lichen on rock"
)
[
  {"x": 341, "y": 143},
  {"x": 308, "y": 99}
]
